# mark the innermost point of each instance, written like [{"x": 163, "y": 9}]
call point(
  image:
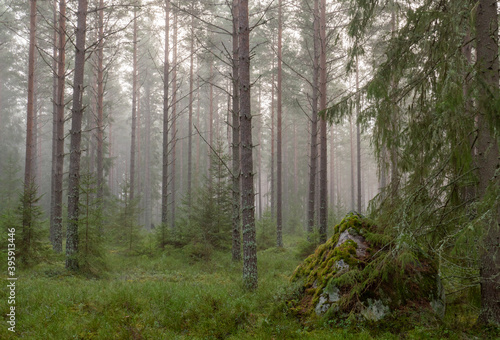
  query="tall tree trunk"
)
[
  {"x": 59, "y": 152},
  {"x": 259, "y": 155},
  {"x": 247, "y": 195},
  {"x": 279, "y": 189},
  {"x": 29, "y": 176},
  {"x": 76, "y": 138},
  {"x": 166, "y": 70},
  {"x": 394, "y": 122},
  {"x": 55, "y": 42},
  {"x": 190, "y": 117},
  {"x": 488, "y": 155},
  {"x": 314, "y": 124},
  {"x": 174, "y": 119},
  {"x": 100, "y": 101},
  {"x": 210, "y": 117},
  {"x": 358, "y": 137},
  {"x": 273, "y": 185},
  {"x": 147, "y": 160},
  {"x": 353, "y": 166},
  {"x": 236, "y": 244},
  {"x": 134, "y": 110},
  {"x": 323, "y": 182},
  {"x": 332, "y": 168}
]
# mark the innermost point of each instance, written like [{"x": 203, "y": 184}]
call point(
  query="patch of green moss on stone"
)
[{"x": 397, "y": 279}]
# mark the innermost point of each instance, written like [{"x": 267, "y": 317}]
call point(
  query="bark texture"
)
[
  {"x": 247, "y": 195},
  {"x": 76, "y": 138},
  {"x": 488, "y": 155}
]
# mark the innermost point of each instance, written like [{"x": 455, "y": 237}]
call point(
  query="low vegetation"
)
[{"x": 152, "y": 294}]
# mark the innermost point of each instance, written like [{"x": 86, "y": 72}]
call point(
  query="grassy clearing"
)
[{"x": 162, "y": 297}]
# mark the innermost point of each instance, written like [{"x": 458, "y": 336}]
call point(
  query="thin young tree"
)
[
  {"x": 76, "y": 138},
  {"x": 247, "y": 195}
]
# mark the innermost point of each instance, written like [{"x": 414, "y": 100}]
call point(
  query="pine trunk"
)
[
  {"x": 76, "y": 138},
  {"x": 323, "y": 182},
  {"x": 488, "y": 156},
  {"x": 166, "y": 67},
  {"x": 190, "y": 117},
  {"x": 134, "y": 110},
  {"x": 279, "y": 158},
  {"x": 314, "y": 125},
  {"x": 247, "y": 196},
  {"x": 55, "y": 42},
  {"x": 100, "y": 103},
  {"x": 174, "y": 120},
  {"x": 236, "y": 239}
]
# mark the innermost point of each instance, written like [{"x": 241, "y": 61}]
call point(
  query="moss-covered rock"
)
[{"x": 359, "y": 271}]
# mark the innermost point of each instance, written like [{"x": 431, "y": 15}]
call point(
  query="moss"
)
[{"x": 398, "y": 279}]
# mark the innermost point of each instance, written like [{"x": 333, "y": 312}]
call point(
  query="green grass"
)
[{"x": 162, "y": 296}]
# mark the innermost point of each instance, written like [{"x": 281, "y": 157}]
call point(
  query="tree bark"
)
[
  {"x": 488, "y": 155},
  {"x": 358, "y": 137},
  {"x": 314, "y": 125},
  {"x": 247, "y": 196},
  {"x": 279, "y": 159},
  {"x": 100, "y": 101},
  {"x": 134, "y": 110},
  {"x": 174, "y": 119},
  {"x": 273, "y": 185},
  {"x": 166, "y": 70},
  {"x": 54, "y": 129},
  {"x": 76, "y": 137},
  {"x": 190, "y": 113},
  {"x": 236, "y": 239},
  {"x": 147, "y": 160},
  {"x": 323, "y": 182}
]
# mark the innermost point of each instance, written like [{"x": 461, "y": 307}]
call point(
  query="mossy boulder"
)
[{"x": 361, "y": 272}]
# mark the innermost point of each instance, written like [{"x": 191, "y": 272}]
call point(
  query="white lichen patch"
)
[{"x": 375, "y": 311}]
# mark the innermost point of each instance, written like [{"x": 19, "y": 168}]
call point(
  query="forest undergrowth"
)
[{"x": 155, "y": 294}]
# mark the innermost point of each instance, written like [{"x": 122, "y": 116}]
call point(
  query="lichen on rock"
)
[{"x": 356, "y": 271}]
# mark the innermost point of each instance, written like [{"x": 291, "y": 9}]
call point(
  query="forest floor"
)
[{"x": 170, "y": 296}]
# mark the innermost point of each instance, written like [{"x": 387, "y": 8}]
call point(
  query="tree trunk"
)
[
  {"x": 147, "y": 160},
  {"x": 236, "y": 239},
  {"x": 273, "y": 185},
  {"x": 174, "y": 120},
  {"x": 358, "y": 137},
  {"x": 100, "y": 101},
  {"x": 190, "y": 118},
  {"x": 29, "y": 176},
  {"x": 323, "y": 182},
  {"x": 279, "y": 159},
  {"x": 166, "y": 67},
  {"x": 488, "y": 156},
  {"x": 353, "y": 171},
  {"x": 314, "y": 125},
  {"x": 247, "y": 196},
  {"x": 76, "y": 138},
  {"x": 54, "y": 129},
  {"x": 134, "y": 110}
]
